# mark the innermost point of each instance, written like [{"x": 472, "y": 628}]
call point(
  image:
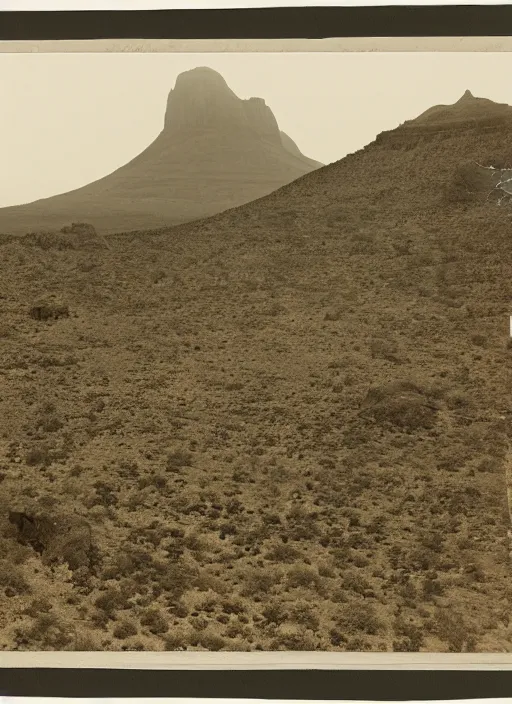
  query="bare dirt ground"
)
[{"x": 282, "y": 428}]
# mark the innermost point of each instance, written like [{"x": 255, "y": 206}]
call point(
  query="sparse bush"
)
[
  {"x": 283, "y": 553},
  {"x": 402, "y": 404},
  {"x": 125, "y": 629},
  {"x": 50, "y": 424},
  {"x": 299, "y": 641},
  {"x": 110, "y": 601},
  {"x": 304, "y": 615},
  {"x": 51, "y": 632},
  {"x": 451, "y": 628},
  {"x": 275, "y": 612},
  {"x": 178, "y": 459},
  {"x": 302, "y": 576},
  {"x": 155, "y": 621},
  {"x": 38, "y": 456},
  {"x": 37, "y": 606},
  {"x": 358, "y": 617},
  {"x": 356, "y": 583},
  {"x": 259, "y": 582},
  {"x": 49, "y": 311},
  {"x": 86, "y": 643},
  {"x": 174, "y": 641},
  {"x": 12, "y": 580},
  {"x": 211, "y": 641},
  {"x": 412, "y": 637}
]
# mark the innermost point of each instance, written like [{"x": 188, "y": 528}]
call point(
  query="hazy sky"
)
[{"x": 69, "y": 119}]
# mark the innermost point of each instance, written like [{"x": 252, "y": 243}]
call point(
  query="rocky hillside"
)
[
  {"x": 215, "y": 151},
  {"x": 286, "y": 426}
]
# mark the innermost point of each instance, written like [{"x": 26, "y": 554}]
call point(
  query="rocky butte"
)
[{"x": 215, "y": 151}]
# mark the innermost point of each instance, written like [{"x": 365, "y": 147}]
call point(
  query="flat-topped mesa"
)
[{"x": 201, "y": 100}]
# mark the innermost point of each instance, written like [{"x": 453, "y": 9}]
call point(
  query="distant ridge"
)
[
  {"x": 466, "y": 108},
  {"x": 215, "y": 151}
]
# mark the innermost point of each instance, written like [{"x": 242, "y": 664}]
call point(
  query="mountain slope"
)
[
  {"x": 313, "y": 388},
  {"x": 214, "y": 152}
]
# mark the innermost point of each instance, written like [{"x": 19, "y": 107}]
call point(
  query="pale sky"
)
[{"x": 70, "y": 118}]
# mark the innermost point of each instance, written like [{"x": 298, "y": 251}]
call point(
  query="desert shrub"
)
[
  {"x": 293, "y": 641},
  {"x": 451, "y": 628},
  {"x": 125, "y": 629},
  {"x": 357, "y": 645},
  {"x": 177, "y": 579},
  {"x": 211, "y": 641},
  {"x": 49, "y": 311},
  {"x": 356, "y": 583},
  {"x": 302, "y": 524},
  {"x": 233, "y": 606},
  {"x": 39, "y": 455},
  {"x": 304, "y": 615},
  {"x": 283, "y": 553},
  {"x": 275, "y": 612},
  {"x": 178, "y": 459},
  {"x": 37, "y": 607},
  {"x": 51, "y": 632},
  {"x": 336, "y": 637},
  {"x": 177, "y": 608},
  {"x": 259, "y": 582},
  {"x": 326, "y": 571},
  {"x": 155, "y": 621},
  {"x": 411, "y": 637},
  {"x": 175, "y": 641},
  {"x": 303, "y": 576},
  {"x": 357, "y": 618},
  {"x": 12, "y": 579},
  {"x": 50, "y": 423},
  {"x": 86, "y": 643},
  {"x": 407, "y": 412},
  {"x": 110, "y": 601}
]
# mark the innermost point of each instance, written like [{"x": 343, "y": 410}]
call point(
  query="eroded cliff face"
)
[{"x": 202, "y": 100}]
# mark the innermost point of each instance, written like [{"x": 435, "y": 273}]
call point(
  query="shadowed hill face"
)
[{"x": 215, "y": 151}]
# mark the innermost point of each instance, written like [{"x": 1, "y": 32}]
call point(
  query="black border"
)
[
  {"x": 268, "y": 23},
  {"x": 260, "y": 23},
  {"x": 380, "y": 685}
]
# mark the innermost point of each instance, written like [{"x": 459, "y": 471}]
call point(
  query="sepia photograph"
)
[{"x": 255, "y": 351}]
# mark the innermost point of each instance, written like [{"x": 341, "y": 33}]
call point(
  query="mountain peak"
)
[
  {"x": 468, "y": 95},
  {"x": 201, "y": 75},
  {"x": 202, "y": 100},
  {"x": 215, "y": 151},
  {"x": 468, "y": 109}
]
